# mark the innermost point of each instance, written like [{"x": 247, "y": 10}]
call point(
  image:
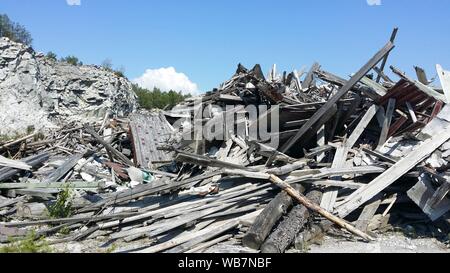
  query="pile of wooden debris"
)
[{"x": 352, "y": 156}]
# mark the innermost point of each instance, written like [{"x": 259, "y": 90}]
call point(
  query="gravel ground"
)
[{"x": 388, "y": 243}]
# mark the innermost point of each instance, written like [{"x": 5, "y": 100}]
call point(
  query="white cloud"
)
[
  {"x": 374, "y": 2},
  {"x": 73, "y": 2},
  {"x": 166, "y": 79}
]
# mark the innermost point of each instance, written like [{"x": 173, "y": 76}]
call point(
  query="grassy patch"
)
[{"x": 30, "y": 244}]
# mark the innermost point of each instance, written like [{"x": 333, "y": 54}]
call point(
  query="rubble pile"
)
[{"x": 349, "y": 157}]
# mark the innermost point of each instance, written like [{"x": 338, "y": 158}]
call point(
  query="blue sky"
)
[{"x": 206, "y": 39}]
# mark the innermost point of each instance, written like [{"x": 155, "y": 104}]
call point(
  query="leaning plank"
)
[
  {"x": 444, "y": 76},
  {"x": 330, "y": 194},
  {"x": 387, "y": 122},
  {"x": 187, "y": 219},
  {"x": 184, "y": 237},
  {"x": 386, "y": 179},
  {"x": 368, "y": 212},
  {"x": 339, "y": 95},
  {"x": 422, "y": 194},
  {"x": 284, "y": 234},
  {"x": 362, "y": 125},
  {"x": 383, "y": 63},
  {"x": 411, "y": 112},
  {"x": 264, "y": 223},
  {"x": 108, "y": 146}
]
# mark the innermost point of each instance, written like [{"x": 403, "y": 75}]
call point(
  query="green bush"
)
[
  {"x": 72, "y": 60},
  {"x": 52, "y": 56}
]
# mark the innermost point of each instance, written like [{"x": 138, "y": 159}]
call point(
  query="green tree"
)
[
  {"x": 52, "y": 56},
  {"x": 72, "y": 60},
  {"x": 156, "y": 99},
  {"x": 14, "y": 31}
]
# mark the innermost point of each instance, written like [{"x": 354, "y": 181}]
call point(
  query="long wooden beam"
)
[
  {"x": 340, "y": 94},
  {"x": 383, "y": 64}
]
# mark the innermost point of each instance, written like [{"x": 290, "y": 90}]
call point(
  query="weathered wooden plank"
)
[
  {"x": 362, "y": 125},
  {"x": 421, "y": 75},
  {"x": 200, "y": 248},
  {"x": 378, "y": 88},
  {"x": 411, "y": 112},
  {"x": 422, "y": 194},
  {"x": 53, "y": 185},
  {"x": 205, "y": 161},
  {"x": 383, "y": 63},
  {"x": 63, "y": 169},
  {"x": 330, "y": 194},
  {"x": 6, "y": 162},
  {"x": 444, "y": 77},
  {"x": 108, "y": 146},
  {"x": 333, "y": 100},
  {"x": 368, "y": 212},
  {"x": 33, "y": 161},
  {"x": 422, "y": 87},
  {"x": 387, "y": 123},
  {"x": 381, "y": 156},
  {"x": 386, "y": 179},
  {"x": 199, "y": 230},
  {"x": 310, "y": 76}
]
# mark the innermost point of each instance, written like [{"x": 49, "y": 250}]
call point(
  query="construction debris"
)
[{"x": 258, "y": 164}]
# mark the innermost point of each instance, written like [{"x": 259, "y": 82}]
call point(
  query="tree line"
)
[{"x": 157, "y": 99}]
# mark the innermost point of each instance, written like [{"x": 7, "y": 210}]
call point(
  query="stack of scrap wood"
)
[{"x": 358, "y": 156}]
